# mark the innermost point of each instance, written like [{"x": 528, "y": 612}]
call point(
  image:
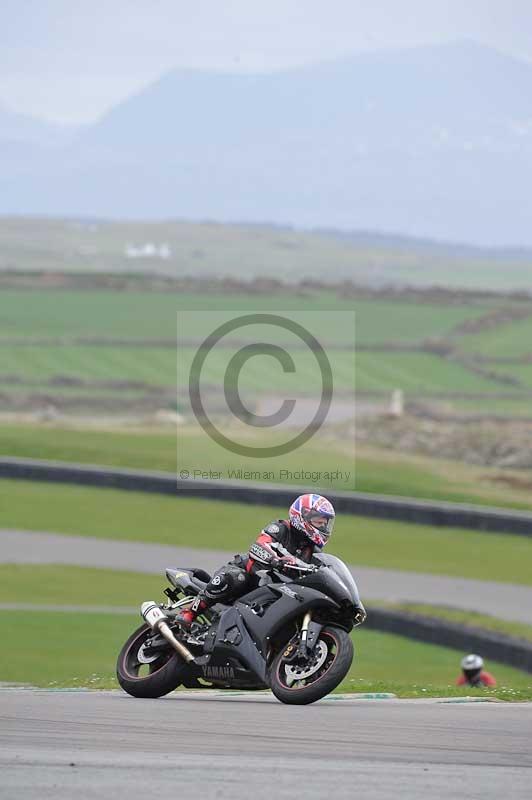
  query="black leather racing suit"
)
[{"x": 278, "y": 543}]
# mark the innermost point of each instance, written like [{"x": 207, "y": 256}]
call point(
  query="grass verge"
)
[
  {"x": 108, "y": 513},
  {"x": 377, "y": 471},
  {"x": 61, "y": 585},
  {"x": 469, "y": 618}
]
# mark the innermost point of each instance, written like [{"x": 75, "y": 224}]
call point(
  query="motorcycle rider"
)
[
  {"x": 473, "y": 673},
  {"x": 280, "y": 545}
]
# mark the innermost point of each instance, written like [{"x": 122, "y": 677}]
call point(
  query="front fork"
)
[
  {"x": 302, "y": 645},
  {"x": 303, "y": 634}
]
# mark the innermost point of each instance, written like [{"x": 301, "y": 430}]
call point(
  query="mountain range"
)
[{"x": 431, "y": 142}]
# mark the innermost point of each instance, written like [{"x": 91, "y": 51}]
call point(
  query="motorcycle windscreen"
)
[{"x": 341, "y": 572}]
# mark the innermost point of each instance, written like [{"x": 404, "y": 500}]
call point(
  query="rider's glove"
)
[{"x": 284, "y": 562}]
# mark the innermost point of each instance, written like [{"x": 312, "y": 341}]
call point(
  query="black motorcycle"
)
[{"x": 291, "y": 635}]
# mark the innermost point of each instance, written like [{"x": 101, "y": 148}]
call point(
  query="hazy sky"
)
[{"x": 70, "y": 60}]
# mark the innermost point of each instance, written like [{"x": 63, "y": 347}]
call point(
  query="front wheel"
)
[
  {"x": 142, "y": 673},
  {"x": 303, "y": 683}
]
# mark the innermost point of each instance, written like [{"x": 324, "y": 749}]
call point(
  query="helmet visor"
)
[{"x": 322, "y": 522}]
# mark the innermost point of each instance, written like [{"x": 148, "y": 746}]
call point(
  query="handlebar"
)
[{"x": 302, "y": 567}]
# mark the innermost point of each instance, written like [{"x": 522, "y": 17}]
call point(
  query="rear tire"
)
[
  {"x": 165, "y": 674},
  {"x": 338, "y": 660}
]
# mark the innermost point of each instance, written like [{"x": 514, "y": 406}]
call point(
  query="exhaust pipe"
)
[{"x": 156, "y": 619}]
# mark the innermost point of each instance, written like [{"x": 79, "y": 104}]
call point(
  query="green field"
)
[
  {"x": 152, "y": 315},
  {"x": 417, "y": 373},
  {"x": 155, "y": 365},
  {"x": 60, "y": 319},
  {"x": 375, "y": 470},
  {"x": 513, "y": 339},
  {"x": 80, "y": 650},
  {"x": 102, "y": 337},
  {"x": 108, "y": 513},
  {"x": 522, "y": 372}
]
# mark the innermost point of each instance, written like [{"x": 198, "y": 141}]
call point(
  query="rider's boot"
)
[{"x": 186, "y": 617}]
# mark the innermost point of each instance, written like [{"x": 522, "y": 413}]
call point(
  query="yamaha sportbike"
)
[{"x": 291, "y": 634}]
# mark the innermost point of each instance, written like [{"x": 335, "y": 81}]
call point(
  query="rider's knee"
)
[{"x": 226, "y": 583}]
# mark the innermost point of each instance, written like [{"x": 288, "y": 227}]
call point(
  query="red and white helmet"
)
[{"x": 314, "y": 516}]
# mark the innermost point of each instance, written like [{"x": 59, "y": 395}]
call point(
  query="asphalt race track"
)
[
  {"x": 85, "y": 745},
  {"x": 513, "y": 602}
]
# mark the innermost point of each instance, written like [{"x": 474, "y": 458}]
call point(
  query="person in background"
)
[{"x": 473, "y": 673}]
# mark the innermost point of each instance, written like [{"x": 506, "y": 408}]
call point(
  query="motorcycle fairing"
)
[
  {"x": 284, "y": 610},
  {"x": 234, "y": 640},
  {"x": 244, "y": 634}
]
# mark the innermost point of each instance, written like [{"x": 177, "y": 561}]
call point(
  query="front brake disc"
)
[{"x": 316, "y": 660}]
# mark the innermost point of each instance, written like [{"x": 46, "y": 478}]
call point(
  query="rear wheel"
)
[
  {"x": 300, "y": 683},
  {"x": 145, "y": 673}
]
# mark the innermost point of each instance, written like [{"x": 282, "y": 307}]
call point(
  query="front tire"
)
[
  {"x": 299, "y": 685},
  {"x": 165, "y": 673}
]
